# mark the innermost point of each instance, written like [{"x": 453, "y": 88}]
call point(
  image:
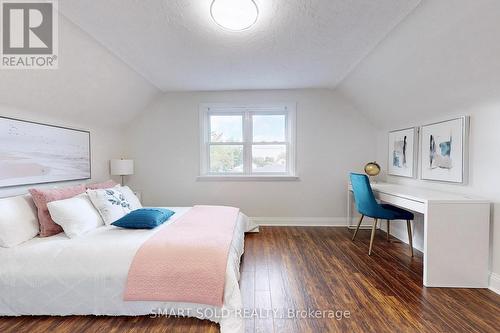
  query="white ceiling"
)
[
  {"x": 295, "y": 43},
  {"x": 90, "y": 87},
  {"x": 444, "y": 59},
  {"x": 441, "y": 59}
]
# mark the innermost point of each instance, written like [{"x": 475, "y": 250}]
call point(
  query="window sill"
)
[{"x": 244, "y": 178}]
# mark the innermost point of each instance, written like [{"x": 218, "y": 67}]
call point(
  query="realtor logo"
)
[{"x": 29, "y": 34}]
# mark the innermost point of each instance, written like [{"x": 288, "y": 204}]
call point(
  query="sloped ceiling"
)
[
  {"x": 91, "y": 86},
  {"x": 443, "y": 59},
  {"x": 295, "y": 43}
]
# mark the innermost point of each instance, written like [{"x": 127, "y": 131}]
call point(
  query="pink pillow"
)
[
  {"x": 43, "y": 196},
  {"x": 107, "y": 184}
]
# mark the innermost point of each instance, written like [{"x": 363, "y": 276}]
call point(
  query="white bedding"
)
[{"x": 87, "y": 276}]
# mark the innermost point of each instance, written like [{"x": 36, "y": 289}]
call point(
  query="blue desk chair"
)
[{"x": 368, "y": 206}]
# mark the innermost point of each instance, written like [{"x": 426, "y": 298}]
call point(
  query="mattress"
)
[{"x": 87, "y": 276}]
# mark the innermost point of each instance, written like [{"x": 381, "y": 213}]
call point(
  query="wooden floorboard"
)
[{"x": 292, "y": 270}]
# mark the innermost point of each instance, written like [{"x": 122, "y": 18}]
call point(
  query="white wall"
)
[
  {"x": 92, "y": 89},
  {"x": 332, "y": 139},
  {"x": 442, "y": 61},
  {"x": 484, "y": 177},
  {"x": 105, "y": 144}
]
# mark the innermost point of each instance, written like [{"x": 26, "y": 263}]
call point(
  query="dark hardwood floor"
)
[{"x": 318, "y": 269}]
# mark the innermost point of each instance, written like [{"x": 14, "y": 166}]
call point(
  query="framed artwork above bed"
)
[
  {"x": 403, "y": 152},
  {"x": 34, "y": 153}
]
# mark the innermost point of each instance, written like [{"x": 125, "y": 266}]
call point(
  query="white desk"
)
[{"x": 456, "y": 233}]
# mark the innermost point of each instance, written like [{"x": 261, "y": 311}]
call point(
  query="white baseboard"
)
[
  {"x": 494, "y": 283},
  {"x": 301, "y": 221}
]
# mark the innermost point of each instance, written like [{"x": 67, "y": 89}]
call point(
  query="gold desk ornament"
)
[{"x": 372, "y": 169}]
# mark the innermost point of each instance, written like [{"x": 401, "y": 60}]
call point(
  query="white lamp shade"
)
[{"x": 121, "y": 167}]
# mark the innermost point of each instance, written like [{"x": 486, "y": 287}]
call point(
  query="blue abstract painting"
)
[
  {"x": 401, "y": 152},
  {"x": 443, "y": 151}
]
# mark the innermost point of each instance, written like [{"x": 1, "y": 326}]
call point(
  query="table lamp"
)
[{"x": 121, "y": 167}]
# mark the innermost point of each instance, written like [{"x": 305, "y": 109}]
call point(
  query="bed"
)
[{"x": 87, "y": 276}]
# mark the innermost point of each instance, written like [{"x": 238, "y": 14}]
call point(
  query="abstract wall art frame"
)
[
  {"x": 444, "y": 151},
  {"x": 35, "y": 153},
  {"x": 403, "y": 148}
]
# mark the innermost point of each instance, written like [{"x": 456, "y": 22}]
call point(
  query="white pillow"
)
[
  {"x": 130, "y": 197},
  {"x": 18, "y": 220},
  {"x": 75, "y": 215},
  {"x": 110, "y": 203}
]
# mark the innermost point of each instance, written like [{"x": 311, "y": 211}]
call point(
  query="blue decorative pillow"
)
[{"x": 144, "y": 218}]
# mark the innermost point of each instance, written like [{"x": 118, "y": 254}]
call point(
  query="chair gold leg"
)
[
  {"x": 388, "y": 229},
  {"x": 410, "y": 237},
  {"x": 357, "y": 228},
  {"x": 373, "y": 236}
]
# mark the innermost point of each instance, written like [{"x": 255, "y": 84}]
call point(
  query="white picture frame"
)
[
  {"x": 36, "y": 153},
  {"x": 403, "y": 152},
  {"x": 444, "y": 151}
]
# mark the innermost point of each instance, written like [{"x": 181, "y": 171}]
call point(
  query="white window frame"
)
[{"x": 247, "y": 111}]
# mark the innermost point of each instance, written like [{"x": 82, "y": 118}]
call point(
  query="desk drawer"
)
[{"x": 413, "y": 205}]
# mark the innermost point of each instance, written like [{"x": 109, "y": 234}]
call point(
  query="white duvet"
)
[{"x": 87, "y": 276}]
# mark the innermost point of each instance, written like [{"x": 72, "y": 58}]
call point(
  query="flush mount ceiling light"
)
[{"x": 234, "y": 15}]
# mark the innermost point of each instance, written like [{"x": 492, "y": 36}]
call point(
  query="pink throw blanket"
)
[{"x": 185, "y": 261}]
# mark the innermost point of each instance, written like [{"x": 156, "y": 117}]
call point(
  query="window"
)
[{"x": 247, "y": 141}]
